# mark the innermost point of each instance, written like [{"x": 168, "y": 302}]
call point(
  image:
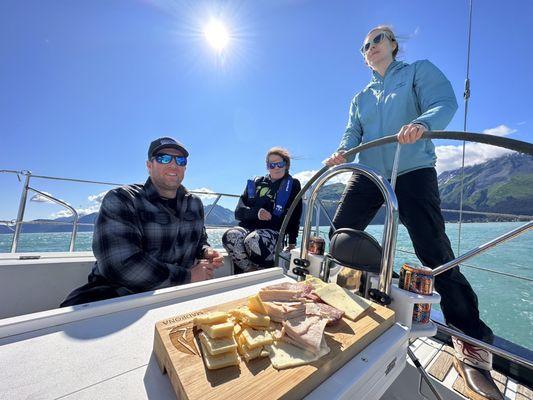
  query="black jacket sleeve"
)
[
  {"x": 294, "y": 223},
  {"x": 246, "y": 210},
  {"x": 203, "y": 244}
]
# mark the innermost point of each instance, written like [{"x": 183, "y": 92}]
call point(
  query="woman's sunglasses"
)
[
  {"x": 376, "y": 40},
  {"x": 167, "y": 158},
  {"x": 279, "y": 164}
]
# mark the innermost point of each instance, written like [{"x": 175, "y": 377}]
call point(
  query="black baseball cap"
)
[{"x": 166, "y": 143}]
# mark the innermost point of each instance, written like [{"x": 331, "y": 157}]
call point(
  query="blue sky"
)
[{"x": 86, "y": 85}]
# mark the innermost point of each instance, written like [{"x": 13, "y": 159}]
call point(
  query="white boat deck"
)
[{"x": 104, "y": 350}]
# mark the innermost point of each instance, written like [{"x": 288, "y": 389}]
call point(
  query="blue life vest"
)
[{"x": 282, "y": 196}]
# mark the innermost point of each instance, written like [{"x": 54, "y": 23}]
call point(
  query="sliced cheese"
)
[
  {"x": 314, "y": 281},
  {"x": 241, "y": 341},
  {"x": 352, "y": 304},
  {"x": 285, "y": 355},
  {"x": 237, "y": 330},
  {"x": 254, "y": 338},
  {"x": 250, "y": 354},
  {"x": 217, "y": 346},
  {"x": 255, "y": 304},
  {"x": 214, "y": 317},
  {"x": 221, "y": 360},
  {"x": 251, "y": 318},
  {"x": 219, "y": 330}
]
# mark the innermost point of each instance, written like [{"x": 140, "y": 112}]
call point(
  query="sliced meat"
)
[
  {"x": 282, "y": 311},
  {"x": 287, "y": 286},
  {"x": 313, "y": 297},
  {"x": 279, "y": 295},
  {"x": 324, "y": 310},
  {"x": 306, "y": 331},
  {"x": 286, "y": 291},
  {"x": 307, "y": 289}
]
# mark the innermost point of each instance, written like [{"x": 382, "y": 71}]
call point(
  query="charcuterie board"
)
[{"x": 178, "y": 354}]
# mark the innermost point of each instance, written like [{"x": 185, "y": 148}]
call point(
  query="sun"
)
[{"x": 217, "y": 35}]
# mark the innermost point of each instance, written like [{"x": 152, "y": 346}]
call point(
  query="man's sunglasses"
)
[
  {"x": 167, "y": 158},
  {"x": 280, "y": 164},
  {"x": 376, "y": 40}
]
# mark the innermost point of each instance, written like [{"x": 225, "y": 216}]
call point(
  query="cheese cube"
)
[
  {"x": 211, "y": 318},
  {"x": 237, "y": 329},
  {"x": 250, "y": 354},
  {"x": 218, "y": 331},
  {"x": 255, "y": 304},
  {"x": 251, "y": 318},
  {"x": 217, "y": 346},
  {"x": 219, "y": 361},
  {"x": 255, "y": 338}
]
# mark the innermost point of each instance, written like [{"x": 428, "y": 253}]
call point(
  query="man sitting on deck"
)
[{"x": 149, "y": 236}]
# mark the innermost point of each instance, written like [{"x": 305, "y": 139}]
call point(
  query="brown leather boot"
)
[{"x": 479, "y": 384}]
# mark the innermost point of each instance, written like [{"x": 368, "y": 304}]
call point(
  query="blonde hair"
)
[
  {"x": 392, "y": 36},
  {"x": 282, "y": 152}
]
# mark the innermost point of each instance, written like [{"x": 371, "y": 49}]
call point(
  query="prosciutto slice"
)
[
  {"x": 324, "y": 310},
  {"x": 286, "y": 291},
  {"x": 282, "y": 311},
  {"x": 306, "y": 332}
]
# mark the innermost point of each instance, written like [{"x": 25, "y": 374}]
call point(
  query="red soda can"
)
[
  {"x": 316, "y": 245},
  {"x": 421, "y": 313},
  {"x": 417, "y": 279}
]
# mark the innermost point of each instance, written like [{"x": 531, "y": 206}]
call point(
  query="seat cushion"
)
[{"x": 356, "y": 249}]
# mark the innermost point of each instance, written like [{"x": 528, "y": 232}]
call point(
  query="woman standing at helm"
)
[{"x": 407, "y": 100}]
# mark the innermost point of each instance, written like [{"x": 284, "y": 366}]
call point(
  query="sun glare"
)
[{"x": 217, "y": 35}]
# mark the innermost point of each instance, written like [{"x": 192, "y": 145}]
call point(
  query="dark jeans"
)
[{"x": 419, "y": 209}]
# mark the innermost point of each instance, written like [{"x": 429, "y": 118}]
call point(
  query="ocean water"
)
[{"x": 505, "y": 303}]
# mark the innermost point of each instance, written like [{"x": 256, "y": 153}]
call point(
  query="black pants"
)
[{"x": 419, "y": 209}]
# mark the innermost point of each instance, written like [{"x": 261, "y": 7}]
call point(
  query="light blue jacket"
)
[{"x": 408, "y": 93}]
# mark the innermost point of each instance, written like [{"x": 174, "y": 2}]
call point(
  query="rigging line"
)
[
  {"x": 523, "y": 278},
  {"x": 466, "y": 96}
]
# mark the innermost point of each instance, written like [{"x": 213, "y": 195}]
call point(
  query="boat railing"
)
[
  {"x": 321, "y": 209},
  {"x": 16, "y": 225},
  {"x": 390, "y": 226}
]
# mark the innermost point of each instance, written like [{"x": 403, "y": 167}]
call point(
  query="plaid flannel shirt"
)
[{"x": 140, "y": 244}]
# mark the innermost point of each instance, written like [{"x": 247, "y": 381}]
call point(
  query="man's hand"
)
[
  {"x": 213, "y": 256},
  {"x": 335, "y": 159},
  {"x": 203, "y": 270},
  {"x": 264, "y": 215},
  {"x": 411, "y": 133}
]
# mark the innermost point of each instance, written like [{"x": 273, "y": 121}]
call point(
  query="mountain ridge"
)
[
  {"x": 499, "y": 185},
  {"x": 219, "y": 216}
]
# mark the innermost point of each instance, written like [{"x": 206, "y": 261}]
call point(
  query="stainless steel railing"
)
[
  {"x": 391, "y": 217},
  {"x": 16, "y": 225},
  {"x": 482, "y": 248}
]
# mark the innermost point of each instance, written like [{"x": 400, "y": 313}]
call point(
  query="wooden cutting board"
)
[{"x": 177, "y": 352}]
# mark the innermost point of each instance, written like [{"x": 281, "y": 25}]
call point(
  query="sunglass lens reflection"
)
[
  {"x": 273, "y": 165},
  {"x": 376, "y": 40}
]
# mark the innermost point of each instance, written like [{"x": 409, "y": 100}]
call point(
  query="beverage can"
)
[
  {"x": 417, "y": 279},
  {"x": 316, "y": 245},
  {"x": 422, "y": 313}
]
